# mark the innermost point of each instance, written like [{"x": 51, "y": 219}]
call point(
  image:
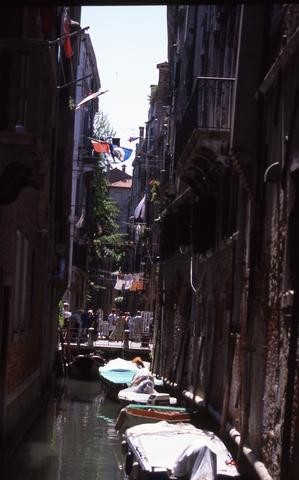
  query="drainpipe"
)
[
  {"x": 72, "y": 231},
  {"x": 250, "y": 456},
  {"x": 162, "y": 350},
  {"x": 258, "y": 466},
  {"x": 238, "y": 251},
  {"x": 70, "y": 263}
]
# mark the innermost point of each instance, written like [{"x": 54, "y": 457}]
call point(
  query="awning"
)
[{"x": 140, "y": 209}]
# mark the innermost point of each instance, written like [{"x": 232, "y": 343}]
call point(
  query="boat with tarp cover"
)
[{"x": 163, "y": 450}]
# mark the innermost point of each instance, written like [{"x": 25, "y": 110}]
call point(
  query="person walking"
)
[
  {"x": 112, "y": 317},
  {"x": 95, "y": 324},
  {"x": 65, "y": 328},
  {"x": 118, "y": 332},
  {"x": 84, "y": 323},
  {"x": 127, "y": 320},
  {"x": 129, "y": 324},
  {"x": 138, "y": 326},
  {"x": 66, "y": 314},
  {"x": 75, "y": 325}
]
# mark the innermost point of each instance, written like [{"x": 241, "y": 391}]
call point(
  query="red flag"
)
[
  {"x": 67, "y": 41},
  {"x": 100, "y": 147}
]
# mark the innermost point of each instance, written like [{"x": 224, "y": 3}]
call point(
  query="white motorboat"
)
[
  {"x": 191, "y": 453},
  {"x": 142, "y": 390}
]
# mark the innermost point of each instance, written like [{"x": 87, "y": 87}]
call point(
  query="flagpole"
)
[
  {"x": 63, "y": 37},
  {"x": 74, "y": 81}
]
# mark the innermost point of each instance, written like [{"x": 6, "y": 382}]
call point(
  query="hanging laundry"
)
[
  {"x": 128, "y": 281},
  {"x": 80, "y": 221},
  {"x": 137, "y": 284},
  {"x": 120, "y": 283},
  {"x": 140, "y": 209},
  {"x": 113, "y": 280},
  {"x": 137, "y": 232}
]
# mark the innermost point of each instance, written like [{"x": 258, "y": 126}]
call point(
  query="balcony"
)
[
  {"x": 203, "y": 137},
  {"x": 208, "y": 115}
]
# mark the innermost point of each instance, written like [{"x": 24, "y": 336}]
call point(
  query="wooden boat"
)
[
  {"x": 85, "y": 367},
  {"x": 134, "y": 414},
  {"x": 191, "y": 453}
]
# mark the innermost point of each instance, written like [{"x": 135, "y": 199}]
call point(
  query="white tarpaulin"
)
[{"x": 190, "y": 450}]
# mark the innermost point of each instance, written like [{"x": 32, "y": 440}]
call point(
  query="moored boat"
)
[
  {"x": 117, "y": 374},
  {"x": 130, "y": 395},
  {"x": 143, "y": 390},
  {"x": 191, "y": 453},
  {"x": 85, "y": 367},
  {"x": 134, "y": 414}
]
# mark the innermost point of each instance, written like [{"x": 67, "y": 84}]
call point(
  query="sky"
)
[{"x": 129, "y": 42}]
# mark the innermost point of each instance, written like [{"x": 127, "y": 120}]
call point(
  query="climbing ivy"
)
[{"x": 106, "y": 237}]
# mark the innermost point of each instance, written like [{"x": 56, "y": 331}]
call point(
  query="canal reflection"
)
[{"x": 74, "y": 439}]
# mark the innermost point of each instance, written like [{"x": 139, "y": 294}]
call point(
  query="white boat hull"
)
[{"x": 146, "y": 444}]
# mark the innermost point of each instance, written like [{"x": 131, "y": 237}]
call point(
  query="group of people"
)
[
  {"x": 124, "y": 321},
  {"x": 80, "y": 321}
]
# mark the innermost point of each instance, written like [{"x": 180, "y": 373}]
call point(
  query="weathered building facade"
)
[
  {"x": 226, "y": 313},
  {"x": 37, "y": 85},
  {"x": 119, "y": 191},
  {"x": 150, "y": 166},
  {"x": 81, "y": 203}
]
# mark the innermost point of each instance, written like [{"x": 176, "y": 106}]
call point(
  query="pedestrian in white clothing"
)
[{"x": 112, "y": 317}]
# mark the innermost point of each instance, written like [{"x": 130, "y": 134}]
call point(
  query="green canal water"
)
[{"x": 74, "y": 439}]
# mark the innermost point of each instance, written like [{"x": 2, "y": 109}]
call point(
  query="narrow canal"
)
[{"x": 74, "y": 439}]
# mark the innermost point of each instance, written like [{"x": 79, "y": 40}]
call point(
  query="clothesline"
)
[{"x": 132, "y": 282}]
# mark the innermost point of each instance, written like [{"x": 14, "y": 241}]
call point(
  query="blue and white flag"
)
[{"x": 122, "y": 153}]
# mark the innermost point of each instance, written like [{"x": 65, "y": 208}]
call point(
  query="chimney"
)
[
  {"x": 163, "y": 72},
  {"x": 153, "y": 90}
]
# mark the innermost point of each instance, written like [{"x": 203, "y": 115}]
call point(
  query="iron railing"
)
[
  {"x": 209, "y": 108},
  {"x": 89, "y": 336}
]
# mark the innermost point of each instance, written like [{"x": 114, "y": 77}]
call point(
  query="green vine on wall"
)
[{"x": 155, "y": 184}]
